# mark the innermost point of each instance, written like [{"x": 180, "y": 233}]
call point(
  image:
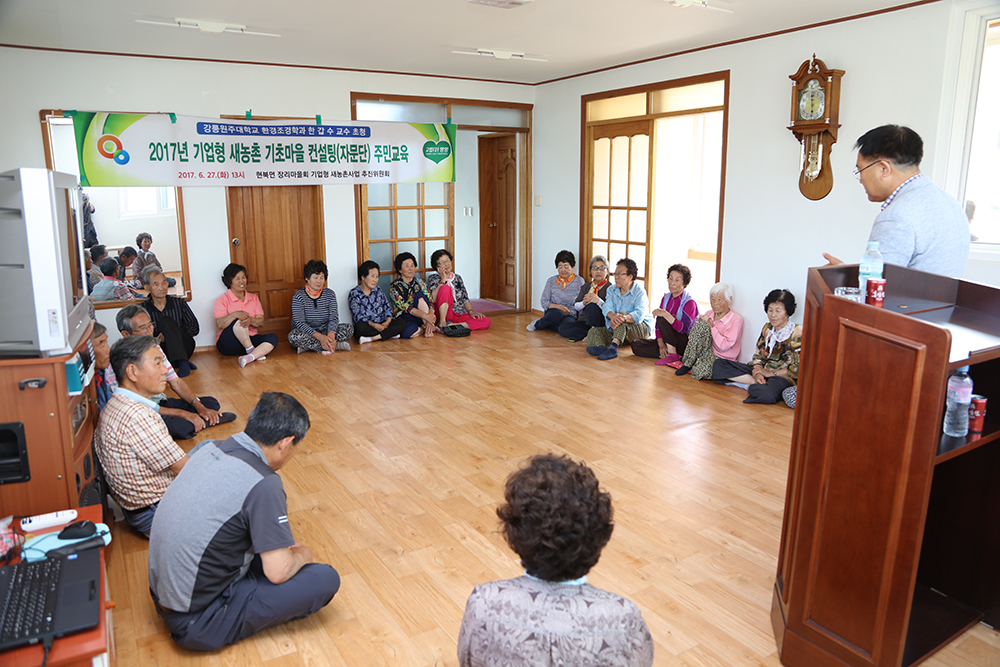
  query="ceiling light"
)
[
  {"x": 207, "y": 26},
  {"x": 700, "y": 4},
  {"x": 502, "y": 4},
  {"x": 500, "y": 54}
]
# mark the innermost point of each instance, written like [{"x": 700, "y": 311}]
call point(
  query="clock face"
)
[{"x": 812, "y": 101}]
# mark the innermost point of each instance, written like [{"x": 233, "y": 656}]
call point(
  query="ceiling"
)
[{"x": 414, "y": 36}]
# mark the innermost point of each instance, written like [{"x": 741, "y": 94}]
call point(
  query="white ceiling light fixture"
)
[
  {"x": 502, "y": 4},
  {"x": 700, "y": 4},
  {"x": 500, "y": 54},
  {"x": 213, "y": 27}
]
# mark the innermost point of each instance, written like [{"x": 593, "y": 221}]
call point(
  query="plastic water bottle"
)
[
  {"x": 956, "y": 415},
  {"x": 871, "y": 266}
]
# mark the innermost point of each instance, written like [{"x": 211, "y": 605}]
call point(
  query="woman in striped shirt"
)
[{"x": 315, "y": 322}]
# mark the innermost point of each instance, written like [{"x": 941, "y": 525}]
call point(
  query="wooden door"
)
[
  {"x": 274, "y": 231},
  {"x": 498, "y": 217}
]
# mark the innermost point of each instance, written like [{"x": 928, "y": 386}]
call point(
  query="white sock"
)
[
  {"x": 395, "y": 337},
  {"x": 365, "y": 339}
]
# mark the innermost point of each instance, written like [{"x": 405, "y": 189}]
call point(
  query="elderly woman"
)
[
  {"x": 589, "y": 300},
  {"x": 557, "y": 520},
  {"x": 626, "y": 319},
  {"x": 674, "y": 319},
  {"x": 451, "y": 300},
  {"x": 173, "y": 320},
  {"x": 145, "y": 257},
  {"x": 559, "y": 294},
  {"x": 316, "y": 323},
  {"x": 775, "y": 364},
  {"x": 716, "y": 335},
  {"x": 408, "y": 294},
  {"x": 372, "y": 313},
  {"x": 238, "y": 313}
]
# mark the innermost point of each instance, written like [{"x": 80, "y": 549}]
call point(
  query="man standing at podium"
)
[{"x": 920, "y": 226}]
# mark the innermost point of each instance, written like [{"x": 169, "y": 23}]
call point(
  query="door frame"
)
[{"x": 487, "y": 172}]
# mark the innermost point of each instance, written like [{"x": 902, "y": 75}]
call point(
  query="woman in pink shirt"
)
[
  {"x": 716, "y": 335},
  {"x": 238, "y": 313}
]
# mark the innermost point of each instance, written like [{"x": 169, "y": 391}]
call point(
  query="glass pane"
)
[
  {"x": 383, "y": 282},
  {"x": 412, "y": 247},
  {"x": 698, "y": 96},
  {"x": 494, "y": 116},
  {"x": 617, "y": 107},
  {"x": 406, "y": 194},
  {"x": 381, "y": 254},
  {"x": 601, "y": 248},
  {"x": 640, "y": 170},
  {"x": 380, "y": 224},
  {"x": 410, "y": 112},
  {"x": 637, "y": 226},
  {"x": 434, "y": 194},
  {"x": 378, "y": 195},
  {"x": 616, "y": 251},
  {"x": 602, "y": 171},
  {"x": 600, "y": 223},
  {"x": 982, "y": 197},
  {"x": 619, "y": 225},
  {"x": 435, "y": 222},
  {"x": 407, "y": 223},
  {"x": 619, "y": 171},
  {"x": 638, "y": 253}
]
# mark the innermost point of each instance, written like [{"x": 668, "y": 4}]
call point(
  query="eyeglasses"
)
[
  {"x": 621, "y": 273},
  {"x": 857, "y": 172},
  {"x": 599, "y": 267}
]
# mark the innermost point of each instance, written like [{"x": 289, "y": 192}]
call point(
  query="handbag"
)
[{"x": 455, "y": 331}]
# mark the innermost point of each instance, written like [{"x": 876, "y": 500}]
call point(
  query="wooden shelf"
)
[
  {"x": 950, "y": 447},
  {"x": 935, "y": 620}
]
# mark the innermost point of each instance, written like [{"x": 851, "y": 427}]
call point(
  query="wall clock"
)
[{"x": 815, "y": 116}]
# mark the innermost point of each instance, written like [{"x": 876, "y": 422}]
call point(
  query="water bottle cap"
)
[
  {"x": 873, "y": 245},
  {"x": 962, "y": 369}
]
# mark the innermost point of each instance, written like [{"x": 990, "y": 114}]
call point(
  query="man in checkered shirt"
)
[{"x": 139, "y": 457}]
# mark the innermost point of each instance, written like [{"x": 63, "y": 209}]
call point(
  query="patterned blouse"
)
[
  {"x": 532, "y": 623},
  {"x": 372, "y": 307},
  {"x": 457, "y": 286},
  {"x": 402, "y": 294},
  {"x": 785, "y": 354}
]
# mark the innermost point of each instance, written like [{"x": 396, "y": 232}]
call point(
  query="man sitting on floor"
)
[
  {"x": 183, "y": 416},
  {"x": 223, "y": 564},
  {"x": 139, "y": 457},
  {"x": 110, "y": 288}
]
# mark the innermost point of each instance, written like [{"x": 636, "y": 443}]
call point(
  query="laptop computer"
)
[{"x": 49, "y": 598}]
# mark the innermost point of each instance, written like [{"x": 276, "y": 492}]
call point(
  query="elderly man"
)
[
  {"x": 172, "y": 318},
  {"x": 183, "y": 416},
  {"x": 102, "y": 359},
  {"x": 110, "y": 288},
  {"x": 125, "y": 259},
  {"x": 139, "y": 457},
  {"x": 97, "y": 253},
  {"x": 920, "y": 226},
  {"x": 223, "y": 564}
]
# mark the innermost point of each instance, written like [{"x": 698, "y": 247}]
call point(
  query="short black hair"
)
[
  {"x": 786, "y": 298},
  {"x": 97, "y": 251},
  {"x": 556, "y": 518},
  {"x": 366, "y": 267},
  {"x": 108, "y": 266},
  {"x": 128, "y": 251},
  {"x": 142, "y": 237},
  {"x": 275, "y": 417},
  {"x": 99, "y": 330},
  {"x": 402, "y": 257},
  {"x": 895, "y": 143},
  {"x": 128, "y": 351},
  {"x": 314, "y": 266},
  {"x": 683, "y": 270},
  {"x": 565, "y": 256},
  {"x": 124, "y": 317},
  {"x": 438, "y": 254},
  {"x": 230, "y": 272},
  {"x": 630, "y": 266}
]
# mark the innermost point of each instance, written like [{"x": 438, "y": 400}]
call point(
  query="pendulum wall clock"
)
[{"x": 815, "y": 121}]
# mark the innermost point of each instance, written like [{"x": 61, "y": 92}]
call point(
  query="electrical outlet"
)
[{"x": 538, "y": 200}]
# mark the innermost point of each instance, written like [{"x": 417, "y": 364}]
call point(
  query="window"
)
[{"x": 982, "y": 196}]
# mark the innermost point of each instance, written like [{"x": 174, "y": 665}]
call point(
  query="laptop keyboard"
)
[{"x": 28, "y": 607}]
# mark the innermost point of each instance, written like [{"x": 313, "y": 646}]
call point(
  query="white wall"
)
[
  {"x": 46, "y": 80},
  {"x": 772, "y": 234}
]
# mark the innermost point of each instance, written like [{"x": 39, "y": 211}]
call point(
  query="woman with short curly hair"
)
[{"x": 557, "y": 519}]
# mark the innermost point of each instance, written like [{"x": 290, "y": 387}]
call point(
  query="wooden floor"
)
[{"x": 397, "y": 482}]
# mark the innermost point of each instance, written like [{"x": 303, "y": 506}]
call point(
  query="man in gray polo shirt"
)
[{"x": 223, "y": 564}]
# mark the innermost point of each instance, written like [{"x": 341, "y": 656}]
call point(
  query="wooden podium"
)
[{"x": 891, "y": 537}]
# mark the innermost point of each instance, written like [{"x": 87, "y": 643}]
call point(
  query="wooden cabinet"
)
[
  {"x": 58, "y": 433},
  {"x": 890, "y": 537}
]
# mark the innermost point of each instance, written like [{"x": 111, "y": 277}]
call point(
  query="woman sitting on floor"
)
[
  {"x": 588, "y": 302},
  {"x": 408, "y": 294},
  {"x": 451, "y": 300},
  {"x": 557, "y": 520},
  {"x": 372, "y": 313},
  {"x": 559, "y": 294},
  {"x": 238, "y": 313},
  {"x": 626, "y": 319},
  {"x": 677, "y": 313},
  {"x": 315, "y": 321},
  {"x": 145, "y": 257},
  {"x": 775, "y": 364},
  {"x": 716, "y": 335}
]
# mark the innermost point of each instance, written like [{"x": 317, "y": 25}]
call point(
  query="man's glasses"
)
[{"x": 857, "y": 172}]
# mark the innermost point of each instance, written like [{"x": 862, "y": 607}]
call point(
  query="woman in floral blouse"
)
[
  {"x": 408, "y": 294},
  {"x": 451, "y": 300},
  {"x": 775, "y": 364},
  {"x": 371, "y": 311}
]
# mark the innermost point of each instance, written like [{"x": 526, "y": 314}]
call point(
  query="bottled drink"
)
[
  {"x": 871, "y": 266},
  {"x": 956, "y": 415}
]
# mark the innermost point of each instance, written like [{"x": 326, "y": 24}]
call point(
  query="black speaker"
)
[{"x": 13, "y": 454}]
